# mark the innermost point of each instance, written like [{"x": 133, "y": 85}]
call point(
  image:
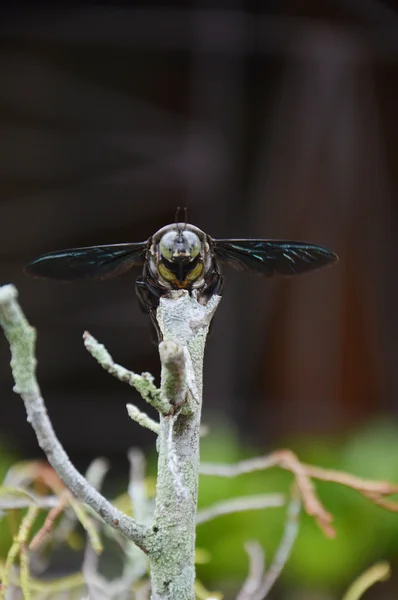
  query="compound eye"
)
[
  {"x": 166, "y": 245},
  {"x": 193, "y": 243}
]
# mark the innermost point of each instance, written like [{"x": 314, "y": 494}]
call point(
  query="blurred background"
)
[{"x": 267, "y": 119}]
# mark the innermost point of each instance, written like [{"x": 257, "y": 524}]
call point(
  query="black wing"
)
[
  {"x": 96, "y": 262},
  {"x": 273, "y": 257}
]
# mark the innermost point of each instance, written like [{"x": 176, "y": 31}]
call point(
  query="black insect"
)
[{"x": 180, "y": 256}]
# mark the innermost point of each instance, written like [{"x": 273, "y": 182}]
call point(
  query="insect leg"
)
[{"x": 148, "y": 299}]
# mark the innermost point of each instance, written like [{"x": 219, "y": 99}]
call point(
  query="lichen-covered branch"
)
[
  {"x": 21, "y": 337},
  {"x": 142, "y": 418},
  {"x": 170, "y": 540},
  {"x": 184, "y": 324},
  {"x": 142, "y": 383}
]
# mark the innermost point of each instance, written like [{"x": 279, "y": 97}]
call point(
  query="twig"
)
[
  {"x": 16, "y": 498},
  {"x": 96, "y": 472},
  {"x": 50, "y": 519},
  {"x": 142, "y": 383},
  {"x": 95, "y": 475},
  {"x": 21, "y": 337},
  {"x": 240, "y": 504},
  {"x": 378, "y": 572},
  {"x": 258, "y": 584},
  {"x": 256, "y": 570},
  {"x": 283, "y": 553},
  {"x": 374, "y": 490},
  {"x": 87, "y": 524},
  {"x": 142, "y": 418},
  {"x": 24, "y": 572},
  {"x": 137, "y": 486},
  {"x": 15, "y": 549},
  {"x": 136, "y": 563}
]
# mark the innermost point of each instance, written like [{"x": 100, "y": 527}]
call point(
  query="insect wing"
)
[
  {"x": 273, "y": 257},
  {"x": 96, "y": 262}
]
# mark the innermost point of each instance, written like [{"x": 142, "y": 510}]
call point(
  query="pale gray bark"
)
[
  {"x": 184, "y": 324},
  {"x": 170, "y": 540}
]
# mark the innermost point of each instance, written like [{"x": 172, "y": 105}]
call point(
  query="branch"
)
[
  {"x": 378, "y": 572},
  {"x": 256, "y": 570},
  {"x": 374, "y": 490},
  {"x": 17, "y": 498},
  {"x": 142, "y": 418},
  {"x": 257, "y": 585},
  {"x": 21, "y": 337},
  {"x": 50, "y": 519},
  {"x": 137, "y": 489},
  {"x": 285, "y": 548},
  {"x": 239, "y": 505},
  {"x": 184, "y": 324},
  {"x": 142, "y": 383}
]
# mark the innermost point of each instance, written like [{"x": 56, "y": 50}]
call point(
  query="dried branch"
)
[
  {"x": 21, "y": 337},
  {"x": 374, "y": 490},
  {"x": 240, "y": 504},
  {"x": 50, "y": 519}
]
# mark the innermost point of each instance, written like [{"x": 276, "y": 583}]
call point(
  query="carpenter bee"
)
[{"x": 180, "y": 256}]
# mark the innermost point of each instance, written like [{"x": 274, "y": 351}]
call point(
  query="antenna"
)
[
  {"x": 186, "y": 216},
  {"x": 177, "y": 215}
]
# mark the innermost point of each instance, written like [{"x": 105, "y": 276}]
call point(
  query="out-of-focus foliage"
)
[{"x": 365, "y": 533}]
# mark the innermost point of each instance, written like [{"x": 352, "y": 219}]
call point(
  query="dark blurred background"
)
[{"x": 266, "y": 119}]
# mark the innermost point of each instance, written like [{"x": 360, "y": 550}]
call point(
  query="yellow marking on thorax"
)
[{"x": 190, "y": 278}]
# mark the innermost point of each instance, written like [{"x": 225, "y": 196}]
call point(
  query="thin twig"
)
[
  {"x": 378, "y": 572},
  {"x": 285, "y": 459},
  {"x": 137, "y": 486},
  {"x": 142, "y": 418},
  {"x": 240, "y": 504},
  {"x": 142, "y": 383},
  {"x": 16, "y": 498},
  {"x": 24, "y": 572},
  {"x": 282, "y": 555},
  {"x": 87, "y": 523},
  {"x": 95, "y": 475},
  {"x": 256, "y": 570},
  {"x": 97, "y": 471},
  {"x": 50, "y": 519}
]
